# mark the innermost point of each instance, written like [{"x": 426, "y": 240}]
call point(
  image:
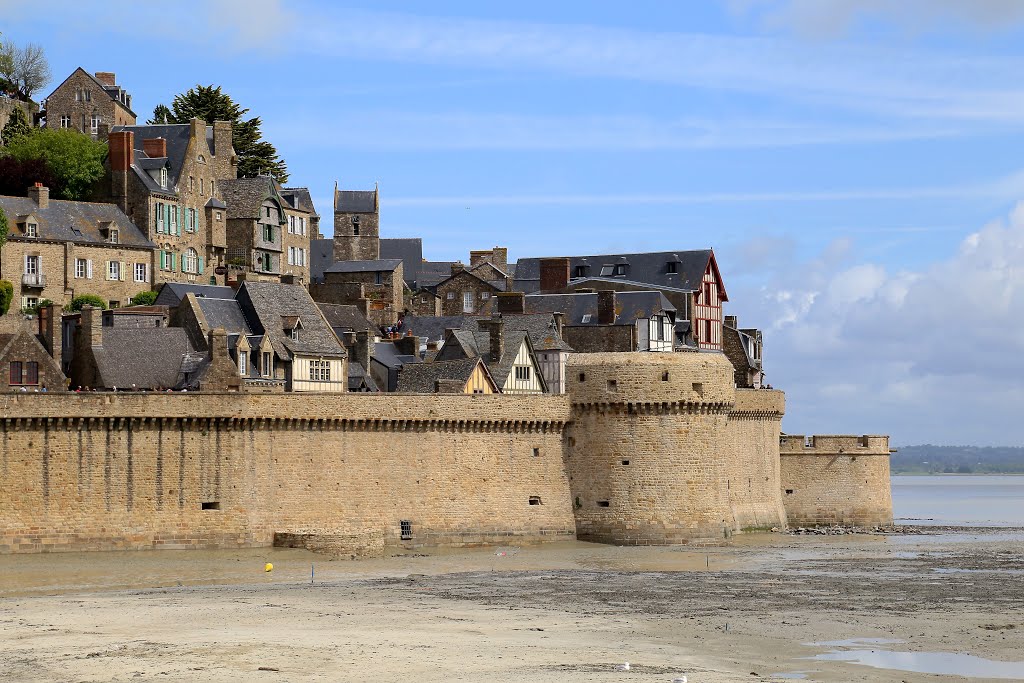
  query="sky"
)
[{"x": 853, "y": 163}]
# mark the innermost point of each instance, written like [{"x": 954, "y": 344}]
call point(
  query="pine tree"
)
[
  {"x": 256, "y": 156},
  {"x": 161, "y": 115},
  {"x": 16, "y": 126}
]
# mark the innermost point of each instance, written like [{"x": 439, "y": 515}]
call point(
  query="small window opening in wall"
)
[
  {"x": 603, "y": 504},
  {"x": 211, "y": 506},
  {"x": 613, "y": 385},
  {"x": 625, "y": 462},
  {"x": 664, "y": 376},
  {"x": 789, "y": 492},
  {"x": 572, "y": 441},
  {"x": 534, "y": 500},
  {"x": 406, "y": 529},
  {"x": 698, "y": 388},
  {"x": 536, "y": 452},
  {"x": 583, "y": 377}
]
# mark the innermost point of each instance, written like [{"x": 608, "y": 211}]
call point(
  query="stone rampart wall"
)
[
  {"x": 104, "y": 471},
  {"x": 836, "y": 480}
]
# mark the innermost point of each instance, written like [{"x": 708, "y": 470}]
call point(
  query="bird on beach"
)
[
  {"x": 623, "y": 667},
  {"x": 681, "y": 679}
]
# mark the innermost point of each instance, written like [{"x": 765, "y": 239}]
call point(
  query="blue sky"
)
[{"x": 854, "y": 163}]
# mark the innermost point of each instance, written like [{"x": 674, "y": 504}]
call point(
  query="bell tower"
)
[{"x": 356, "y": 224}]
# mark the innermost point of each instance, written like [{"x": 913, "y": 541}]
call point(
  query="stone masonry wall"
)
[
  {"x": 836, "y": 480},
  {"x": 105, "y": 471}
]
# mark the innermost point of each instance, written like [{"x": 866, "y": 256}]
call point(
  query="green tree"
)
[
  {"x": 256, "y": 156},
  {"x": 24, "y": 70},
  {"x": 86, "y": 300},
  {"x": 4, "y": 229},
  {"x": 6, "y": 295},
  {"x": 161, "y": 115},
  {"x": 75, "y": 158},
  {"x": 144, "y": 298},
  {"x": 16, "y": 127}
]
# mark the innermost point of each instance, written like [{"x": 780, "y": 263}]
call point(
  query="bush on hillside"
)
[{"x": 86, "y": 300}]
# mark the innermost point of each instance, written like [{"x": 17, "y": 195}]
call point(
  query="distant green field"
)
[{"x": 957, "y": 460}]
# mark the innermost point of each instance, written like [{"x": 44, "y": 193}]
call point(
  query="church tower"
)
[{"x": 356, "y": 224}]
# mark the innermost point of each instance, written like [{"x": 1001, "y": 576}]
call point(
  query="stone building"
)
[
  {"x": 356, "y": 225},
  {"x": 690, "y": 280},
  {"x": 7, "y": 107},
  {"x": 86, "y": 103},
  {"x": 376, "y": 286},
  {"x": 166, "y": 178},
  {"x": 303, "y": 225},
  {"x": 266, "y": 234},
  {"x": 423, "y": 302},
  {"x": 26, "y": 364},
  {"x": 743, "y": 349},
  {"x": 467, "y": 293},
  {"x": 508, "y": 354},
  {"x": 60, "y": 249}
]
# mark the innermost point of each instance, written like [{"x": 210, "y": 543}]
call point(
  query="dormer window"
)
[
  {"x": 163, "y": 178},
  {"x": 31, "y": 230},
  {"x": 607, "y": 270},
  {"x": 295, "y": 334},
  {"x": 620, "y": 269},
  {"x": 355, "y": 225},
  {"x": 580, "y": 271},
  {"x": 114, "y": 235},
  {"x": 670, "y": 267}
]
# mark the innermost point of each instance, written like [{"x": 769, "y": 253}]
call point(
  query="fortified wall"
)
[
  {"x": 836, "y": 480},
  {"x": 663, "y": 449},
  {"x": 645, "y": 448}
]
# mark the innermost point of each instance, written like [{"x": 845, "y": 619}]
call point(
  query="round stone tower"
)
[{"x": 652, "y": 457}]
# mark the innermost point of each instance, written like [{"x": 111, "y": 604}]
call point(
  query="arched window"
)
[{"x": 191, "y": 261}]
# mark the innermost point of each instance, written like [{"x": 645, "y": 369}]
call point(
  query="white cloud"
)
[
  {"x": 934, "y": 355},
  {"x": 832, "y": 18}
]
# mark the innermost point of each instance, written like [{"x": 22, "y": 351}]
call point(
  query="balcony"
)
[{"x": 36, "y": 280}]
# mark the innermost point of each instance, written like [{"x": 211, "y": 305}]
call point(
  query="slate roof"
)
[
  {"x": 498, "y": 285},
  {"x": 299, "y": 198},
  {"x": 177, "y": 136},
  {"x": 129, "y": 356},
  {"x": 226, "y": 313},
  {"x": 358, "y": 377},
  {"x": 385, "y": 353},
  {"x": 355, "y": 201},
  {"x": 540, "y": 326},
  {"x": 648, "y": 267},
  {"x": 630, "y": 306},
  {"x": 266, "y": 304},
  {"x": 172, "y": 293},
  {"x": 433, "y": 273},
  {"x": 77, "y": 222},
  {"x": 421, "y": 378},
  {"x": 473, "y": 344},
  {"x": 410, "y": 250},
  {"x": 321, "y": 256},
  {"x": 245, "y": 196},
  {"x": 385, "y": 265},
  {"x": 344, "y": 318}
]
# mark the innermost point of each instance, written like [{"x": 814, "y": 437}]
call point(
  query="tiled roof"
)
[
  {"x": 432, "y": 328},
  {"x": 541, "y": 328},
  {"x": 245, "y": 196},
  {"x": 630, "y": 306},
  {"x": 473, "y": 344},
  {"x": 224, "y": 313},
  {"x": 299, "y": 198},
  {"x": 387, "y": 354},
  {"x": 355, "y": 201},
  {"x": 421, "y": 378},
  {"x": 380, "y": 265},
  {"x": 77, "y": 222},
  {"x": 321, "y": 256},
  {"x": 410, "y": 250},
  {"x": 649, "y": 267},
  {"x": 266, "y": 304},
  {"x": 147, "y": 358},
  {"x": 177, "y": 136},
  {"x": 434, "y": 272},
  {"x": 344, "y": 318},
  {"x": 172, "y": 293}
]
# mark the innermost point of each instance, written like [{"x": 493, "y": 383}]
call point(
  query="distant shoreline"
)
[{"x": 957, "y": 474}]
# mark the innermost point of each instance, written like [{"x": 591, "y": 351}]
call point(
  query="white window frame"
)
[
  {"x": 450, "y": 296},
  {"x": 32, "y": 265},
  {"x": 81, "y": 268},
  {"x": 94, "y": 123},
  {"x": 113, "y": 270},
  {"x": 190, "y": 260},
  {"x": 31, "y": 230},
  {"x": 320, "y": 370},
  {"x": 468, "y": 302},
  {"x": 65, "y": 120},
  {"x": 141, "y": 272},
  {"x": 243, "y": 362},
  {"x": 523, "y": 370},
  {"x": 291, "y": 225},
  {"x": 115, "y": 236}
]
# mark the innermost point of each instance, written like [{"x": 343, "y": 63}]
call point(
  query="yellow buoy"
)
[{"x": 268, "y": 567}]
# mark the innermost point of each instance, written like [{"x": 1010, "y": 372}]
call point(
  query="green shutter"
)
[
  {"x": 200, "y": 265},
  {"x": 174, "y": 260}
]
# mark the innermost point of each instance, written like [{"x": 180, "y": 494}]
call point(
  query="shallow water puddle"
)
[{"x": 947, "y": 663}]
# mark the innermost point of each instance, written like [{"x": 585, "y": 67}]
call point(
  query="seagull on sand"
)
[
  {"x": 681, "y": 679},
  {"x": 623, "y": 667}
]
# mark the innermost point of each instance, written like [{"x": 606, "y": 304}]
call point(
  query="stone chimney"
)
[
  {"x": 559, "y": 321},
  {"x": 358, "y": 345},
  {"x": 50, "y": 330},
  {"x": 554, "y": 275},
  {"x": 106, "y": 78},
  {"x": 458, "y": 267},
  {"x": 198, "y": 131},
  {"x": 730, "y": 321},
  {"x": 510, "y": 302},
  {"x": 92, "y": 326},
  {"x": 408, "y": 346},
  {"x": 606, "y": 307},
  {"x": 225, "y": 163},
  {"x": 155, "y": 148},
  {"x": 222, "y": 374},
  {"x": 40, "y": 194},
  {"x": 495, "y": 328}
]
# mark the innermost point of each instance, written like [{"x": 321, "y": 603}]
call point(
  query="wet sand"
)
[{"x": 560, "y": 612}]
